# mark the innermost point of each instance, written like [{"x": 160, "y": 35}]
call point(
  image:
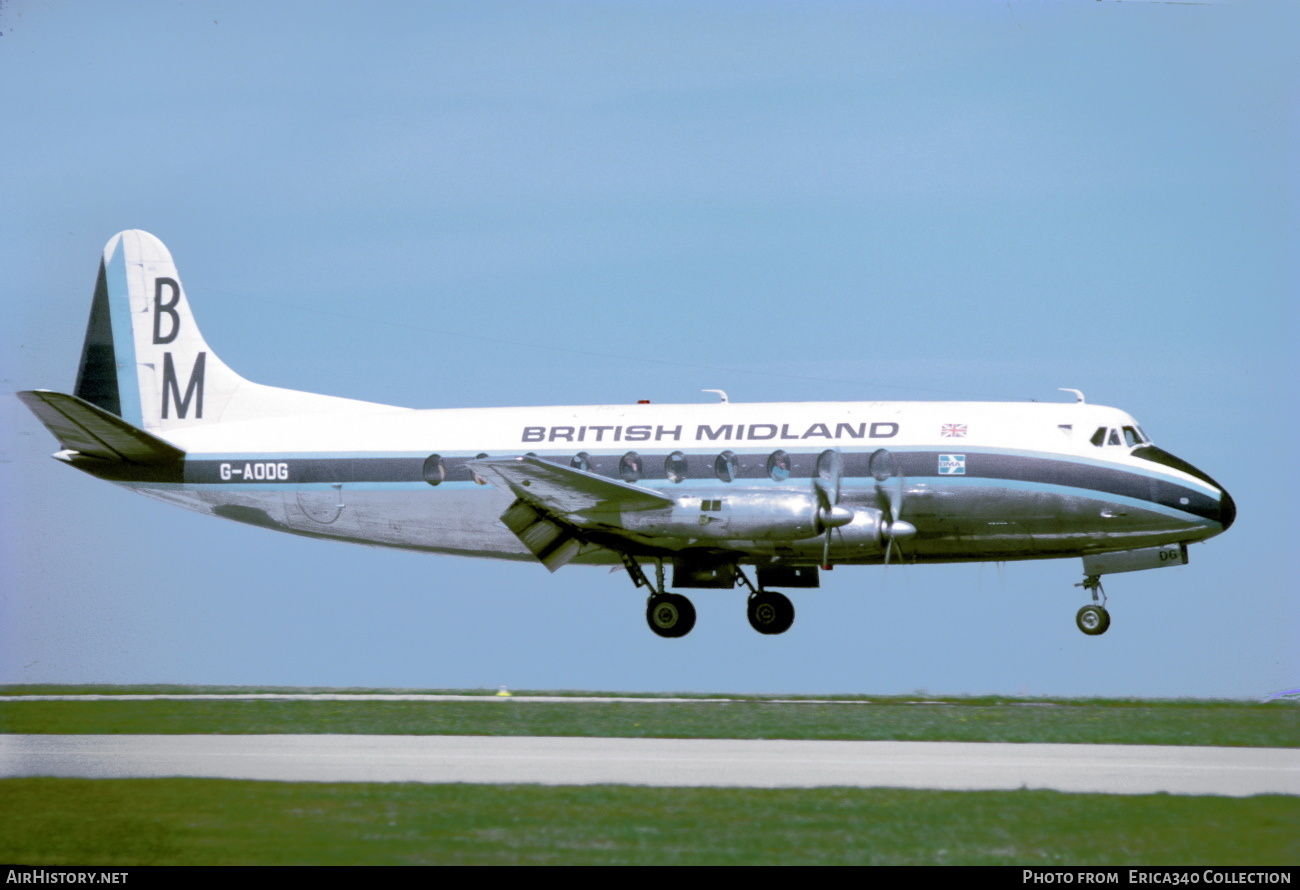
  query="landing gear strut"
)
[
  {"x": 668, "y": 614},
  {"x": 1093, "y": 620}
]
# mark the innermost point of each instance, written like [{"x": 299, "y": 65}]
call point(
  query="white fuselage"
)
[{"x": 980, "y": 480}]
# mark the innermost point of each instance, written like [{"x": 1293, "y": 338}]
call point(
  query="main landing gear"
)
[
  {"x": 1093, "y": 620},
  {"x": 668, "y": 614},
  {"x": 769, "y": 612},
  {"x": 672, "y": 615}
]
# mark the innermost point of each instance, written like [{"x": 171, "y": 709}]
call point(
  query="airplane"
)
[{"x": 715, "y": 491}]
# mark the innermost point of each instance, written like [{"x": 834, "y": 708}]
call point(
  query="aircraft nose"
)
[{"x": 1227, "y": 509}]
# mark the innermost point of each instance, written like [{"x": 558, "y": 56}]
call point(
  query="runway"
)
[{"x": 964, "y": 766}]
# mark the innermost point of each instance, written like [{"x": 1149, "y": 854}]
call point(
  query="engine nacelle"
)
[
  {"x": 755, "y": 516},
  {"x": 866, "y": 533}
]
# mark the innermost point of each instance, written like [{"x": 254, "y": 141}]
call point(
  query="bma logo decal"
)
[
  {"x": 952, "y": 465},
  {"x": 165, "y": 305}
]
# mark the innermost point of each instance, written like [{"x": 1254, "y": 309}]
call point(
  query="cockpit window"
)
[
  {"x": 1099, "y": 437},
  {"x": 1114, "y": 438},
  {"x": 1131, "y": 436}
]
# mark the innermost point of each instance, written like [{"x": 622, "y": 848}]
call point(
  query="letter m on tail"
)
[{"x": 172, "y": 390}]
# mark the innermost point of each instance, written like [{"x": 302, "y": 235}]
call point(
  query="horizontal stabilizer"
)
[
  {"x": 89, "y": 430},
  {"x": 565, "y": 491}
]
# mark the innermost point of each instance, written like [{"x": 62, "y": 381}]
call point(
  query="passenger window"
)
[
  {"x": 778, "y": 466},
  {"x": 675, "y": 466},
  {"x": 629, "y": 467},
  {"x": 477, "y": 478},
  {"x": 581, "y": 461},
  {"x": 435, "y": 470},
  {"x": 725, "y": 466}
]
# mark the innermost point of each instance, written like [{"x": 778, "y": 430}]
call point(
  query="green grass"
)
[
  {"x": 1124, "y": 722},
  {"x": 206, "y": 821}
]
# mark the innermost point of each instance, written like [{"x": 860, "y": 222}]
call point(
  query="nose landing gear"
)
[{"x": 1093, "y": 620}]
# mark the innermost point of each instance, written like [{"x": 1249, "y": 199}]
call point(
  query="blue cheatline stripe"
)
[
  {"x": 934, "y": 483},
  {"x": 1144, "y": 469},
  {"x": 119, "y": 310}
]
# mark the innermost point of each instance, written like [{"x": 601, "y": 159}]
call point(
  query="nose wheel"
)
[{"x": 1093, "y": 620}]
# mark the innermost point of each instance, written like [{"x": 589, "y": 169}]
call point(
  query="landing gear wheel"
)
[
  {"x": 670, "y": 615},
  {"x": 770, "y": 612},
  {"x": 1093, "y": 620}
]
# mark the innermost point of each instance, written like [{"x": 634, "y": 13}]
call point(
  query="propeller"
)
[
  {"x": 884, "y": 468},
  {"x": 826, "y": 485}
]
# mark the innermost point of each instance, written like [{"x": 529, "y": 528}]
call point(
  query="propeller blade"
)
[
  {"x": 826, "y": 485},
  {"x": 830, "y": 469}
]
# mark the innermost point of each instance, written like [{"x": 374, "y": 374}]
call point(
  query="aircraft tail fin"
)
[
  {"x": 94, "y": 432},
  {"x": 145, "y": 360}
]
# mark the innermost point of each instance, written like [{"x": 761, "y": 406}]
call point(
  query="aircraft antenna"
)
[
  {"x": 721, "y": 395},
  {"x": 1078, "y": 395}
]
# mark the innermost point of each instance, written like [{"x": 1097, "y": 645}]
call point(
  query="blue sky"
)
[{"x": 455, "y": 205}]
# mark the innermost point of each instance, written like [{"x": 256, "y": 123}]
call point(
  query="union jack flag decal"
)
[{"x": 953, "y": 430}]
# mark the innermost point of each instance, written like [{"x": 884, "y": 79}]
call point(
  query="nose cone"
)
[
  {"x": 1227, "y": 509},
  {"x": 1227, "y": 506}
]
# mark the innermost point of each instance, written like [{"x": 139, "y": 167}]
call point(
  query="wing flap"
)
[
  {"x": 90, "y": 430},
  {"x": 552, "y": 542}
]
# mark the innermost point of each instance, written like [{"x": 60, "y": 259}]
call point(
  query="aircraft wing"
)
[
  {"x": 90, "y": 430},
  {"x": 564, "y": 491},
  {"x": 554, "y": 504}
]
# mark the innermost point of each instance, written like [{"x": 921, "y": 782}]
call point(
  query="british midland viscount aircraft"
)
[{"x": 759, "y": 496}]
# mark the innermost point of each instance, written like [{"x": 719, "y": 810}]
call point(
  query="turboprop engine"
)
[{"x": 775, "y": 516}]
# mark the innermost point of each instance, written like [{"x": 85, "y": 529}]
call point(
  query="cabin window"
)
[
  {"x": 435, "y": 470},
  {"x": 581, "y": 461},
  {"x": 725, "y": 466},
  {"x": 882, "y": 465},
  {"x": 778, "y": 466},
  {"x": 675, "y": 466},
  {"x": 477, "y": 478},
  {"x": 629, "y": 467}
]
